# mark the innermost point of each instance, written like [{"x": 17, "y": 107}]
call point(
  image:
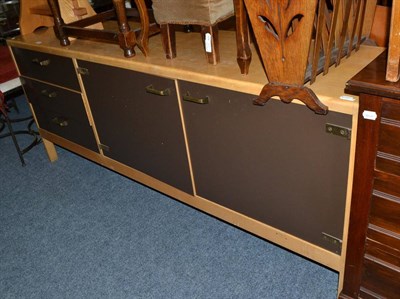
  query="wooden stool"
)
[{"x": 207, "y": 14}]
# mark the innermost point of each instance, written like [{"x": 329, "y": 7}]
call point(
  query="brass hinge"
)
[
  {"x": 104, "y": 147},
  {"x": 334, "y": 241},
  {"x": 338, "y": 130},
  {"x": 83, "y": 71}
]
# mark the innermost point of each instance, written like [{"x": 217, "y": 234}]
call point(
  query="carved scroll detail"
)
[
  {"x": 283, "y": 30},
  {"x": 288, "y": 93}
]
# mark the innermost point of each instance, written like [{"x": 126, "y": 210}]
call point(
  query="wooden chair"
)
[
  {"x": 300, "y": 39},
  {"x": 125, "y": 37},
  {"x": 36, "y": 13},
  {"x": 207, "y": 14}
]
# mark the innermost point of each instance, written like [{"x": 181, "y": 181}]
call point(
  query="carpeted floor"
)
[{"x": 73, "y": 229}]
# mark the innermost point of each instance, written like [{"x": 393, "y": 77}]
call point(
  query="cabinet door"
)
[
  {"x": 274, "y": 163},
  {"x": 138, "y": 128}
]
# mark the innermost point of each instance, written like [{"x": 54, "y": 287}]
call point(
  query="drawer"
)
[
  {"x": 385, "y": 212},
  {"x": 47, "y": 67},
  {"x": 61, "y": 112},
  {"x": 380, "y": 278},
  {"x": 388, "y": 155},
  {"x": 383, "y": 245}
]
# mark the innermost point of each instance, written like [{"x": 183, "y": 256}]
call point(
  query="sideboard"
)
[{"x": 190, "y": 130}]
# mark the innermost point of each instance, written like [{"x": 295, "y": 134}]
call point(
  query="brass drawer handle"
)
[
  {"x": 62, "y": 122},
  {"x": 188, "y": 98},
  {"x": 50, "y": 95},
  {"x": 152, "y": 90},
  {"x": 44, "y": 62}
]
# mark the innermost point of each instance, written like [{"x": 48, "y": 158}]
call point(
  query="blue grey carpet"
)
[{"x": 73, "y": 229}]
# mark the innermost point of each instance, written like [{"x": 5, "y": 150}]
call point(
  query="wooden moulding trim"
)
[
  {"x": 304, "y": 248},
  {"x": 348, "y": 198},
  {"x": 185, "y": 137},
  {"x": 86, "y": 105}
]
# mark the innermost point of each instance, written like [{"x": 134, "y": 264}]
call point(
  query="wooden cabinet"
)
[
  {"x": 52, "y": 87},
  {"x": 191, "y": 131},
  {"x": 245, "y": 157},
  {"x": 138, "y": 122},
  {"x": 373, "y": 254}
]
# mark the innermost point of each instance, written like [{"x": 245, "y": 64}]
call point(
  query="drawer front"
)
[
  {"x": 47, "y": 67},
  {"x": 385, "y": 253},
  {"x": 61, "y": 112},
  {"x": 385, "y": 205},
  {"x": 380, "y": 278},
  {"x": 388, "y": 155}
]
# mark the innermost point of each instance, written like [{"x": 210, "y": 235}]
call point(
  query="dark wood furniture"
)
[{"x": 373, "y": 253}]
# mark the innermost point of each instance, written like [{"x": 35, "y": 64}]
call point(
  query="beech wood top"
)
[
  {"x": 190, "y": 64},
  {"x": 372, "y": 80}
]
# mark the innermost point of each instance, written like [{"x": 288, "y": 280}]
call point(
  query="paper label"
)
[
  {"x": 207, "y": 43},
  {"x": 371, "y": 115}
]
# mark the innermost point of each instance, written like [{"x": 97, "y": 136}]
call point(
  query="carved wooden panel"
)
[{"x": 300, "y": 39}]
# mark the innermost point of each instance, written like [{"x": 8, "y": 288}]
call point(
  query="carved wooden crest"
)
[{"x": 283, "y": 31}]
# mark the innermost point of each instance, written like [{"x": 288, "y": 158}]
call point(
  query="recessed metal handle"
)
[
  {"x": 44, "y": 62},
  {"x": 188, "y": 98},
  {"x": 49, "y": 94},
  {"x": 61, "y": 121},
  {"x": 152, "y": 90}
]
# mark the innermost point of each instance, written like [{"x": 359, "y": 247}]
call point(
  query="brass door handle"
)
[
  {"x": 61, "y": 121},
  {"x": 49, "y": 94},
  {"x": 188, "y": 98},
  {"x": 44, "y": 62},
  {"x": 152, "y": 90}
]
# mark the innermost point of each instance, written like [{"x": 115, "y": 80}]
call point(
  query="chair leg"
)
[
  {"x": 242, "y": 37},
  {"x": 168, "y": 40},
  {"x": 126, "y": 37},
  {"x": 14, "y": 140},
  {"x": 209, "y": 35},
  {"x": 58, "y": 22}
]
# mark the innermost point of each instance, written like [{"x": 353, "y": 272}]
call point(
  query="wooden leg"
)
[
  {"x": 242, "y": 37},
  {"x": 143, "y": 39},
  {"x": 126, "y": 37},
  {"x": 393, "y": 63},
  {"x": 168, "y": 40},
  {"x": 58, "y": 22},
  {"x": 50, "y": 149},
  {"x": 209, "y": 35}
]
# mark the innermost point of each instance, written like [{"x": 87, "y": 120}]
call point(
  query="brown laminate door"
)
[
  {"x": 275, "y": 163},
  {"x": 137, "y": 126}
]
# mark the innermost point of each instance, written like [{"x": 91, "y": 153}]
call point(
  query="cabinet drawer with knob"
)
[
  {"x": 61, "y": 112},
  {"x": 47, "y": 67}
]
